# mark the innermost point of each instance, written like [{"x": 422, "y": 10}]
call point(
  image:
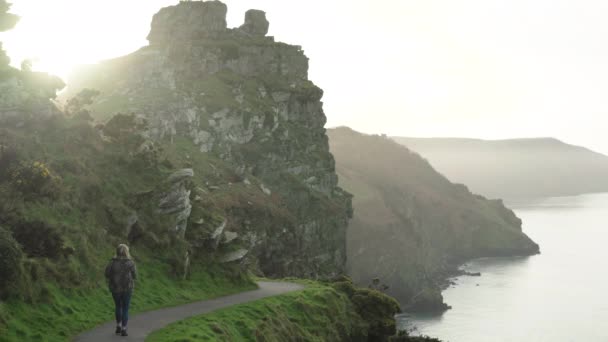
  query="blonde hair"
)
[{"x": 122, "y": 251}]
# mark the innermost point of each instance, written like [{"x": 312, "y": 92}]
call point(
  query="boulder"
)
[
  {"x": 265, "y": 189},
  {"x": 180, "y": 175},
  {"x": 216, "y": 236},
  {"x": 229, "y": 237},
  {"x": 234, "y": 256},
  {"x": 176, "y": 201}
]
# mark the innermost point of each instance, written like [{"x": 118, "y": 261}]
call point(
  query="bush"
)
[
  {"x": 34, "y": 178},
  {"x": 378, "y": 310},
  {"x": 11, "y": 257},
  {"x": 8, "y": 158},
  {"x": 125, "y": 129},
  {"x": 39, "y": 239},
  {"x": 403, "y": 336}
]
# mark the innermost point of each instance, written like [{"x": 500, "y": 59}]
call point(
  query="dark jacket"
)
[{"x": 121, "y": 273}]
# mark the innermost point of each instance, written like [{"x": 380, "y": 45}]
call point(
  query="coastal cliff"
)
[
  {"x": 238, "y": 95},
  {"x": 205, "y": 152},
  {"x": 412, "y": 226}
]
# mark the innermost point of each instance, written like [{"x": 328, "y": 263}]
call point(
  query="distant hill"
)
[
  {"x": 515, "y": 168},
  {"x": 411, "y": 224}
]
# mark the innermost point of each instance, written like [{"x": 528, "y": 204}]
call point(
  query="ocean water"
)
[{"x": 558, "y": 296}]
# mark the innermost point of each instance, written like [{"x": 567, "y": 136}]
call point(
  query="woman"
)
[{"x": 121, "y": 273}]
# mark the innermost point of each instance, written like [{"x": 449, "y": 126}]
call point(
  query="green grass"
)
[
  {"x": 317, "y": 313},
  {"x": 66, "y": 312},
  {"x": 54, "y": 299}
]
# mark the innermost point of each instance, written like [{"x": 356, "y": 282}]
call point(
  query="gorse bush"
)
[
  {"x": 34, "y": 178},
  {"x": 10, "y": 261}
]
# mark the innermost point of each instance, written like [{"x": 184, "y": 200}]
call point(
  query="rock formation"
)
[
  {"x": 246, "y": 99},
  {"x": 255, "y": 23}
]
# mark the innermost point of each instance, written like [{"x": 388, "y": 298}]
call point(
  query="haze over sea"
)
[{"x": 558, "y": 296}]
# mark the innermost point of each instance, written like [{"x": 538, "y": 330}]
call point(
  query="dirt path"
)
[{"x": 141, "y": 325}]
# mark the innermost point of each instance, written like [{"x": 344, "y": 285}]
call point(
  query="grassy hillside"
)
[
  {"x": 321, "y": 312},
  {"x": 204, "y": 178},
  {"x": 411, "y": 224},
  {"x": 515, "y": 168},
  {"x": 66, "y": 199}
]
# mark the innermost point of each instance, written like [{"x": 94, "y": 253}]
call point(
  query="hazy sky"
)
[{"x": 469, "y": 68}]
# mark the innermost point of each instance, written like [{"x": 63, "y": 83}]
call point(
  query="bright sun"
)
[{"x": 59, "y": 35}]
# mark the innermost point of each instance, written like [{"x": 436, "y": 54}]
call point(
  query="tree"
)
[{"x": 7, "y": 20}]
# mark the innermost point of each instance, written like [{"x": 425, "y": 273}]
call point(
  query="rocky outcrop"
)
[
  {"x": 188, "y": 22},
  {"x": 242, "y": 97},
  {"x": 24, "y": 93},
  {"x": 255, "y": 23},
  {"x": 176, "y": 201}
]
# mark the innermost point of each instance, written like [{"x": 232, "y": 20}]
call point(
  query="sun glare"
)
[{"x": 59, "y": 35}]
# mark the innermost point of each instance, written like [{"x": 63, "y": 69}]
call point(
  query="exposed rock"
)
[
  {"x": 234, "y": 256},
  {"x": 265, "y": 189},
  {"x": 247, "y": 100},
  {"x": 188, "y": 21},
  {"x": 255, "y": 23},
  {"x": 17, "y": 100},
  {"x": 216, "y": 236},
  {"x": 180, "y": 175},
  {"x": 230, "y": 236},
  {"x": 177, "y": 200}
]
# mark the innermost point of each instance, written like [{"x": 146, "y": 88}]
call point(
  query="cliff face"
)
[
  {"x": 412, "y": 225},
  {"x": 240, "y": 96},
  {"x": 541, "y": 167}
]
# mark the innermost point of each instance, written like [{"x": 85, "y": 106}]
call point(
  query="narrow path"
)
[{"x": 141, "y": 325}]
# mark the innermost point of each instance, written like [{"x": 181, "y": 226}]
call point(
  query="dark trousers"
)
[{"x": 122, "y": 300}]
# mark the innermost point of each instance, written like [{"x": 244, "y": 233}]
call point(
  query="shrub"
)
[
  {"x": 10, "y": 261},
  {"x": 378, "y": 310},
  {"x": 39, "y": 239},
  {"x": 124, "y": 128},
  {"x": 8, "y": 158},
  {"x": 34, "y": 178},
  {"x": 404, "y": 336}
]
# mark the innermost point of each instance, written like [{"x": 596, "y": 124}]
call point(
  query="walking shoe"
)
[
  {"x": 124, "y": 332},
  {"x": 118, "y": 330}
]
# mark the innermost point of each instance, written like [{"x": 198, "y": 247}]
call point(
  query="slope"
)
[
  {"x": 515, "y": 168},
  {"x": 411, "y": 224}
]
